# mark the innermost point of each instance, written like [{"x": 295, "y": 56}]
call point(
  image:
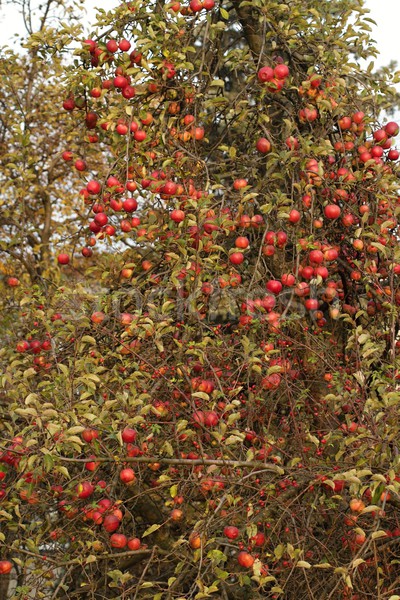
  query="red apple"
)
[
  {"x": 239, "y": 184},
  {"x": 130, "y": 204},
  {"x": 134, "y": 544},
  {"x": 236, "y": 258},
  {"x": 391, "y": 128},
  {"x": 63, "y": 259},
  {"x": 263, "y": 145},
  {"x": 127, "y": 476},
  {"x": 111, "y": 523},
  {"x": 281, "y": 71},
  {"x": 177, "y": 215},
  {"x": 93, "y": 187},
  {"x": 13, "y": 281},
  {"x": 332, "y": 211},
  {"x": 5, "y": 567},
  {"x": 118, "y": 540},
  {"x": 124, "y": 45},
  {"x": 265, "y": 74},
  {"x": 294, "y": 216},
  {"x": 98, "y": 317},
  {"x": 274, "y": 286},
  {"x": 84, "y": 489},
  {"x": 242, "y": 242},
  {"x": 231, "y": 532},
  {"x": 112, "y": 46},
  {"x": 89, "y": 434},
  {"x": 128, "y": 435},
  {"x": 211, "y": 418},
  {"x": 245, "y": 559}
]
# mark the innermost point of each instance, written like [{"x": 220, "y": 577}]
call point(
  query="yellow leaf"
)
[{"x": 304, "y": 564}]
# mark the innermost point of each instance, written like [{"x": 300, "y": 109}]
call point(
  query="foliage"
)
[{"x": 215, "y": 379}]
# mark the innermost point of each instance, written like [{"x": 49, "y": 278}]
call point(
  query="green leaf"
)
[
  {"x": 151, "y": 529},
  {"x": 48, "y": 463}
]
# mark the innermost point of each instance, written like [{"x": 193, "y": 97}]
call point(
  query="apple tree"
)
[{"x": 201, "y": 397}]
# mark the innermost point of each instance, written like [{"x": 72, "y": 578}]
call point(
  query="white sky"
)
[{"x": 386, "y": 13}]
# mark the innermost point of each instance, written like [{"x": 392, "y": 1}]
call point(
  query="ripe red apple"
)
[
  {"x": 339, "y": 485},
  {"x": 274, "y": 286},
  {"x": 89, "y": 434},
  {"x": 380, "y": 135},
  {"x": 393, "y": 154},
  {"x": 344, "y": 123},
  {"x": 131, "y": 186},
  {"x": 5, "y": 567},
  {"x": 113, "y": 181},
  {"x": 265, "y": 74},
  {"x": 169, "y": 188},
  {"x": 236, "y": 258},
  {"x": 118, "y": 540},
  {"x": 245, "y": 559},
  {"x": 22, "y": 346},
  {"x": 288, "y": 279},
  {"x": 134, "y": 544},
  {"x": 178, "y": 215},
  {"x": 98, "y": 317},
  {"x": 294, "y": 216},
  {"x": 231, "y": 532},
  {"x": 332, "y": 211},
  {"x": 321, "y": 271},
  {"x": 130, "y": 204},
  {"x": 13, "y": 281},
  {"x": 84, "y": 489},
  {"x": 139, "y": 135},
  {"x": 196, "y": 5},
  {"x": 124, "y": 45},
  {"x": 80, "y": 165},
  {"x": 211, "y": 418},
  {"x": 292, "y": 143},
  {"x": 104, "y": 505},
  {"x": 358, "y": 117},
  {"x": 311, "y": 304},
  {"x": 69, "y": 104},
  {"x": 316, "y": 256},
  {"x": 242, "y": 242},
  {"x": 259, "y": 539},
  {"x": 391, "y": 128},
  {"x": 128, "y": 435},
  {"x": 93, "y": 187},
  {"x": 281, "y": 71},
  {"x": 263, "y": 145},
  {"x": 91, "y": 120},
  {"x": 121, "y": 129},
  {"x": 111, "y": 523},
  {"x": 275, "y": 85},
  {"x": 239, "y": 184},
  {"x": 128, "y": 92},
  {"x": 67, "y": 155},
  {"x": 101, "y": 219},
  {"x": 112, "y": 46},
  {"x": 63, "y": 259},
  {"x": 127, "y": 476},
  {"x": 92, "y": 465}
]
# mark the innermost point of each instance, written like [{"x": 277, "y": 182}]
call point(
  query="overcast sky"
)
[{"x": 386, "y": 13}]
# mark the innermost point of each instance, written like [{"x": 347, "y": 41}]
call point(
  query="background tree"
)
[{"x": 211, "y": 406}]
